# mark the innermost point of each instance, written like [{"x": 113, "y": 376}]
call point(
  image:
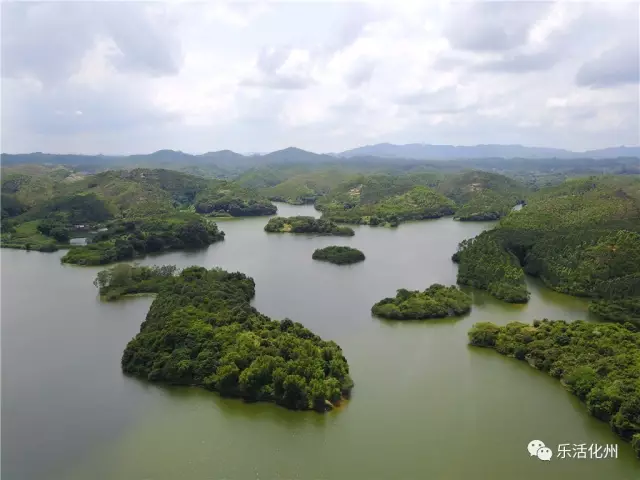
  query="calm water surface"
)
[{"x": 425, "y": 405}]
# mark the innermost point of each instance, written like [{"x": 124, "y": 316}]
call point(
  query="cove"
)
[{"x": 425, "y": 405}]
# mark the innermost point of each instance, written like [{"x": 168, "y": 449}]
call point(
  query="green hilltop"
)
[
  {"x": 581, "y": 237},
  {"x": 38, "y": 200}
]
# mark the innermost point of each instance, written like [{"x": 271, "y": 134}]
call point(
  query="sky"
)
[{"x": 124, "y": 77}]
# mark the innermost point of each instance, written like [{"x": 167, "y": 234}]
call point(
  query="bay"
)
[{"x": 425, "y": 404}]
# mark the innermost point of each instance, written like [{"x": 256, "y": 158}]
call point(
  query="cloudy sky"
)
[{"x": 132, "y": 78}]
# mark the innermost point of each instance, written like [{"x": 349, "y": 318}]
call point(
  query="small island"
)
[
  {"x": 437, "y": 301},
  {"x": 201, "y": 330},
  {"x": 597, "y": 362},
  {"x": 129, "y": 239},
  {"x": 338, "y": 255},
  {"x": 302, "y": 224}
]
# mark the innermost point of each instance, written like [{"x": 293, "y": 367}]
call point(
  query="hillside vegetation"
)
[
  {"x": 72, "y": 202},
  {"x": 388, "y": 200},
  {"x": 385, "y": 200},
  {"x": 482, "y": 195},
  {"x": 580, "y": 238},
  {"x": 201, "y": 330},
  {"x": 306, "y": 187},
  {"x": 598, "y": 363}
]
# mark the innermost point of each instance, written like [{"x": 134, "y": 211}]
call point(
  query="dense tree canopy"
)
[
  {"x": 482, "y": 195},
  {"x": 437, "y": 301},
  {"x": 303, "y": 224},
  {"x": 135, "y": 238},
  {"x": 580, "y": 238},
  {"x": 418, "y": 203},
  {"x": 201, "y": 330},
  {"x": 338, "y": 254},
  {"x": 485, "y": 264},
  {"x": 75, "y": 201},
  {"x": 599, "y": 363},
  {"x": 230, "y": 199}
]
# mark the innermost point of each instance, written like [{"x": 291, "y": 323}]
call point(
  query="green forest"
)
[
  {"x": 126, "y": 240},
  {"x": 338, "y": 255},
  {"x": 303, "y": 224},
  {"x": 43, "y": 207},
  {"x": 482, "y": 196},
  {"x": 201, "y": 330},
  {"x": 581, "y": 238},
  {"x": 388, "y": 200},
  {"x": 437, "y": 301},
  {"x": 599, "y": 363}
]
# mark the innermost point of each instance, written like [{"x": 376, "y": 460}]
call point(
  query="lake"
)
[{"x": 425, "y": 405}]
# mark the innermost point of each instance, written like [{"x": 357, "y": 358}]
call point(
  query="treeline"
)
[
  {"x": 124, "y": 279},
  {"x": 201, "y": 330},
  {"x": 437, "y": 301},
  {"x": 302, "y": 224},
  {"x": 599, "y": 363},
  {"x": 135, "y": 238},
  {"x": 580, "y": 238}
]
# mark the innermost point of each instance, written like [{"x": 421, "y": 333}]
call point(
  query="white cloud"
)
[{"x": 325, "y": 77}]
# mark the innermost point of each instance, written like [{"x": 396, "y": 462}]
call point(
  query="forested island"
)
[
  {"x": 131, "y": 239},
  {"x": 339, "y": 255},
  {"x": 599, "y": 363},
  {"x": 202, "y": 331},
  {"x": 303, "y": 224},
  {"x": 437, "y": 301},
  {"x": 581, "y": 238}
]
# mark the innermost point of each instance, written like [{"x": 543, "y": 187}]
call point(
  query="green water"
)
[{"x": 424, "y": 406}]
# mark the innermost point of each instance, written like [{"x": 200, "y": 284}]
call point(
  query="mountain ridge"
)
[
  {"x": 424, "y": 151},
  {"x": 376, "y": 152}
]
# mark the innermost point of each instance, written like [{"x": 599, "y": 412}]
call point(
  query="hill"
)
[
  {"x": 71, "y": 202},
  {"x": 385, "y": 200},
  {"x": 581, "y": 237},
  {"x": 482, "y": 195}
]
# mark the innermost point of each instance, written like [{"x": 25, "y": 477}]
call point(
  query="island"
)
[
  {"x": 437, "y": 301},
  {"x": 126, "y": 240},
  {"x": 599, "y": 363},
  {"x": 303, "y": 224},
  {"x": 201, "y": 330},
  {"x": 338, "y": 255}
]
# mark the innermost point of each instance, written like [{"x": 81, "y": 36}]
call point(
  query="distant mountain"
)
[
  {"x": 223, "y": 155},
  {"x": 297, "y": 155},
  {"x": 420, "y": 151},
  {"x": 612, "y": 152},
  {"x": 224, "y": 163}
]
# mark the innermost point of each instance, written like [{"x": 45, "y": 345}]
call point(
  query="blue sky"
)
[{"x": 124, "y": 77}]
